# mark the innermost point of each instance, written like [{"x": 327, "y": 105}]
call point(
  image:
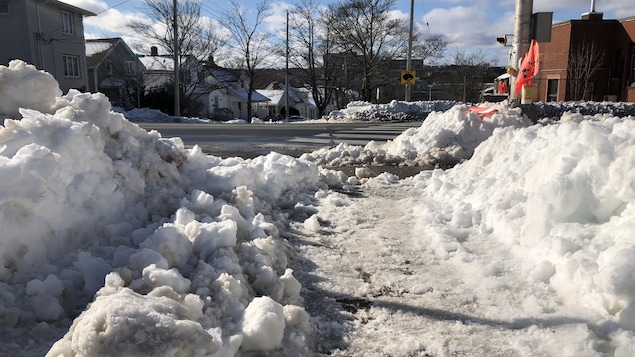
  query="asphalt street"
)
[{"x": 251, "y": 140}]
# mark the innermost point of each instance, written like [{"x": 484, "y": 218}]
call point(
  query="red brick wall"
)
[
  {"x": 553, "y": 60},
  {"x": 613, "y": 36}
]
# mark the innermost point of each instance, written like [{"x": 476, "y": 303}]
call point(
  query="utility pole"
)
[
  {"x": 286, "y": 76},
  {"x": 522, "y": 39},
  {"x": 177, "y": 94},
  {"x": 409, "y": 56}
]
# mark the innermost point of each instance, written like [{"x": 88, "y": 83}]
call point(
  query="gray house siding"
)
[
  {"x": 33, "y": 31},
  {"x": 113, "y": 70},
  {"x": 16, "y": 44}
]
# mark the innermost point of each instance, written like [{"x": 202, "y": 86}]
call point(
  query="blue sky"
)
[{"x": 468, "y": 25}]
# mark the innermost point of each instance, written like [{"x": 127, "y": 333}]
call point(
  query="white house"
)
[
  {"x": 224, "y": 95},
  {"x": 300, "y": 101}
]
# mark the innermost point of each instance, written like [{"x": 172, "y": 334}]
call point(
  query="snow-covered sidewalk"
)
[{"x": 374, "y": 287}]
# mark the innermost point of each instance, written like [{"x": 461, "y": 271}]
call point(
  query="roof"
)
[
  {"x": 71, "y": 8},
  {"x": 225, "y": 75},
  {"x": 158, "y": 63},
  {"x": 98, "y": 49},
  {"x": 242, "y": 93},
  {"x": 113, "y": 81},
  {"x": 276, "y": 95},
  {"x": 161, "y": 63}
]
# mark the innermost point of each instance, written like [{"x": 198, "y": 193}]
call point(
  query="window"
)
[
  {"x": 71, "y": 66},
  {"x": 109, "y": 67},
  {"x": 552, "y": 90},
  {"x": 128, "y": 67},
  {"x": 4, "y": 6},
  {"x": 68, "y": 27}
]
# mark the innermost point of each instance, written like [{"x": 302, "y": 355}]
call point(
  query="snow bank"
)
[
  {"x": 444, "y": 139},
  {"x": 395, "y": 110},
  {"x": 161, "y": 251},
  {"x": 559, "y": 197}
]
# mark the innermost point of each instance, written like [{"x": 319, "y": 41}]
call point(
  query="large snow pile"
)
[
  {"x": 395, "y": 110},
  {"x": 444, "y": 139},
  {"x": 179, "y": 251},
  {"x": 555, "y": 110},
  {"x": 558, "y": 202}
]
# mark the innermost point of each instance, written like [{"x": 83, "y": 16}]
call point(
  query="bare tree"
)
[
  {"x": 431, "y": 47},
  {"x": 199, "y": 39},
  {"x": 468, "y": 73},
  {"x": 310, "y": 48},
  {"x": 249, "y": 41},
  {"x": 366, "y": 29},
  {"x": 584, "y": 61}
]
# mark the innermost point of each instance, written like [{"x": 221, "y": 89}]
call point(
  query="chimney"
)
[
  {"x": 593, "y": 15},
  {"x": 154, "y": 51}
]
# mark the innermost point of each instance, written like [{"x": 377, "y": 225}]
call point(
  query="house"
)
[
  {"x": 223, "y": 95},
  {"x": 613, "y": 76},
  {"x": 300, "y": 101},
  {"x": 114, "y": 70},
  {"x": 48, "y": 35},
  {"x": 159, "y": 69}
]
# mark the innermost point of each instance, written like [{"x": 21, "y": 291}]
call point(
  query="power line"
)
[
  {"x": 424, "y": 18},
  {"x": 81, "y": 18},
  {"x": 112, "y": 7}
]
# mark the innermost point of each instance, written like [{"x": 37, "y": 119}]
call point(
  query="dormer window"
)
[{"x": 68, "y": 26}]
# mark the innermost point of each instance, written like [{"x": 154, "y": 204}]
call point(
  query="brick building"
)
[{"x": 614, "y": 76}]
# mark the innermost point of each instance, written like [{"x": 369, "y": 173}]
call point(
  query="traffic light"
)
[
  {"x": 408, "y": 77},
  {"x": 502, "y": 40}
]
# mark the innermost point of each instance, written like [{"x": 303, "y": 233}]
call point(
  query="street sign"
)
[{"x": 408, "y": 77}]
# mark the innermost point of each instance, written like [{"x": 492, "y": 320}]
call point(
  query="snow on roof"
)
[
  {"x": 242, "y": 93},
  {"x": 94, "y": 47},
  {"x": 158, "y": 63},
  {"x": 502, "y": 76},
  {"x": 276, "y": 95}
]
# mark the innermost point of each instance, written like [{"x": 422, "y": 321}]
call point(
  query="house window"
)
[
  {"x": 4, "y": 6},
  {"x": 128, "y": 67},
  {"x": 109, "y": 67},
  {"x": 68, "y": 27},
  {"x": 552, "y": 90},
  {"x": 71, "y": 66}
]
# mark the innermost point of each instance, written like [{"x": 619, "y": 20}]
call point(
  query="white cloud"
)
[{"x": 90, "y": 5}]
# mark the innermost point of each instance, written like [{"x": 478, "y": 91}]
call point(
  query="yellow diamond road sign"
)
[{"x": 408, "y": 77}]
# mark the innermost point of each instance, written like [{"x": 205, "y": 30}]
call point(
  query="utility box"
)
[{"x": 541, "y": 23}]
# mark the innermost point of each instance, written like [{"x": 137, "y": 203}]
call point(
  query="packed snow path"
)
[{"x": 372, "y": 289}]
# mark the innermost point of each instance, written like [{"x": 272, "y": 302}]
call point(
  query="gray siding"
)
[{"x": 32, "y": 32}]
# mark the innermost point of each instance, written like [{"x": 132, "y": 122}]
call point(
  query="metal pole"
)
[
  {"x": 138, "y": 94},
  {"x": 522, "y": 39},
  {"x": 286, "y": 76},
  {"x": 177, "y": 94},
  {"x": 409, "y": 57}
]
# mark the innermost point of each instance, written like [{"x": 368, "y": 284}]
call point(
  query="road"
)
[{"x": 250, "y": 140}]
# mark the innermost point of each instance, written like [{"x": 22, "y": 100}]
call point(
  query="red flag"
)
[
  {"x": 481, "y": 111},
  {"x": 529, "y": 67},
  {"x": 503, "y": 87}
]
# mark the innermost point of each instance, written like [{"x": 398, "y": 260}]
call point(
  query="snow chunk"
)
[
  {"x": 263, "y": 325},
  {"x": 130, "y": 324}
]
